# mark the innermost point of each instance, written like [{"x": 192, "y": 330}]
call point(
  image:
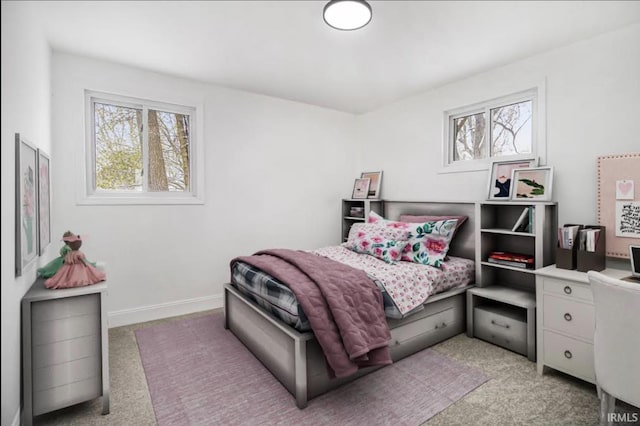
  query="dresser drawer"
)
[
  {"x": 502, "y": 325},
  {"x": 66, "y": 350},
  {"x": 65, "y": 328},
  {"x": 66, "y": 373},
  {"x": 64, "y": 396},
  {"x": 65, "y": 307},
  {"x": 569, "y": 355},
  {"x": 569, "y": 289},
  {"x": 569, "y": 316}
]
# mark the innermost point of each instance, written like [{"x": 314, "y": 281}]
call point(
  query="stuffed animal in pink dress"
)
[{"x": 76, "y": 270}]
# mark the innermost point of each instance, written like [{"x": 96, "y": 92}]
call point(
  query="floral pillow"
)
[
  {"x": 428, "y": 242},
  {"x": 360, "y": 230},
  {"x": 388, "y": 250}
]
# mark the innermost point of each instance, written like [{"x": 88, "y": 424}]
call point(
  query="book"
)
[
  {"x": 521, "y": 220},
  {"x": 520, "y": 265},
  {"x": 511, "y": 257}
]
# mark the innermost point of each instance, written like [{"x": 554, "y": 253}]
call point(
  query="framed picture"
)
[
  {"x": 361, "y": 188},
  {"x": 532, "y": 184},
  {"x": 375, "y": 184},
  {"x": 44, "y": 202},
  {"x": 26, "y": 213},
  {"x": 500, "y": 177}
]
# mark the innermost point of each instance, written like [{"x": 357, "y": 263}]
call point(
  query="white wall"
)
[
  {"x": 593, "y": 104},
  {"x": 275, "y": 171},
  {"x": 25, "y": 109}
]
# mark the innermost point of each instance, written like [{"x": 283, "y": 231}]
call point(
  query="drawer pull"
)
[
  {"x": 568, "y": 354},
  {"x": 443, "y": 325},
  {"x": 567, "y": 289},
  {"x": 567, "y": 316},
  {"x": 499, "y": 325}
]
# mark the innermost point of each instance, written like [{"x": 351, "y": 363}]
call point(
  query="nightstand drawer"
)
[
  {"x": 66, "y": 350},
  {"x": 503, "y": 325},
  {"x": 65, "y": 307},
  {"x": 66, "y": 373},
  {"x": 65, "y": 328},
  {"x": 568, "y": 288},
  {"x": 568, "y": 316},
  {"x": 64, "y": 396},
  {"x": 569, "y": 355}
]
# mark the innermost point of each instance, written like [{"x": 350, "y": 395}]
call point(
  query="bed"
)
[{"x": 295, "y": 358}]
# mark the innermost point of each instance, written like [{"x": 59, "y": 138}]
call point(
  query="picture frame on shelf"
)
[
  {"x": 361, "y": 188},
  {"x": 532, "y": 184},
  {"x": 375, "y": 184},
  {"x": 499, "y": 186},
  {"x": 26, "y": 232},
  {"x": 44, "y": 201}
]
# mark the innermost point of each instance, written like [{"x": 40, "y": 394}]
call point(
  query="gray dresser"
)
[{"x": 65, "y": 352}]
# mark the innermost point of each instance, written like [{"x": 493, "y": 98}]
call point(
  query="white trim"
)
[
  {"x": 536, "y": 93},
  {"x": 86, "y": 195},
  {"x": 16, "y": 418},
  {"x": 164, "y": 310}
]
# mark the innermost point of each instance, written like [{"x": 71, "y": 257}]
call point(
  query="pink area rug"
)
[{"x": 199, "y": 374}]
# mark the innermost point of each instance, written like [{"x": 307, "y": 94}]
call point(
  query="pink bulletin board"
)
[{"x": 619, "y": 201}]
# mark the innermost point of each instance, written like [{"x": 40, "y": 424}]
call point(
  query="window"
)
[
  {"x": 139, "y": 149},
  {"x": 502, "y": 128}
]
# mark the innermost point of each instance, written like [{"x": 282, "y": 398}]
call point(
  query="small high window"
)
[
  {"x": 139, "y": 148},
  {"x": 503, "y": 128}
]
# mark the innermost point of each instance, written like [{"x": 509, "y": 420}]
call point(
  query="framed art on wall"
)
[
  {"x": 375, "y": 184},
  {"x": 533, "y": 183},
  {"x": 26, "y": 213},
  {"x": 44, "y": 201},
  {"x": 500, "y": 177}
]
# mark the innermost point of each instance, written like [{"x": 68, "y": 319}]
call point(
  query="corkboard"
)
[{"x": 619, "y": 200}]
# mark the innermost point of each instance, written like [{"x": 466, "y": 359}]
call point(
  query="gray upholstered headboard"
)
[{"x": 464, "y": 243}]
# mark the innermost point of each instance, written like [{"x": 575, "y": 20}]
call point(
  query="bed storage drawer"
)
[{"x": 502, "y": 325}]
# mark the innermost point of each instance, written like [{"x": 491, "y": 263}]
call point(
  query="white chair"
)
[{"x": 616, "y": 342}]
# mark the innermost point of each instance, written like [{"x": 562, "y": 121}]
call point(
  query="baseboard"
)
[{"x": 163, "y": 310}]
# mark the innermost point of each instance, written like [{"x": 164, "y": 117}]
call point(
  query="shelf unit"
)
[
  {"x": 367, "y": 205},
  {"x": 507, "y": 285}
]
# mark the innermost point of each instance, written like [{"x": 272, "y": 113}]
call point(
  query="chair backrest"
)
[{"x": 617, "y": 336}]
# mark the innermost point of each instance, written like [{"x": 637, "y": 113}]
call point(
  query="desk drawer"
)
[
  {"x": 569, "y": 355},
  {"x": 570, "y": 289},
  {"x": 569, "y": 316},
  {"x": 502, "y": 325}
]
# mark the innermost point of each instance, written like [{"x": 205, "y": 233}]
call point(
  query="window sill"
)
[{"x": 132, "y": 200}]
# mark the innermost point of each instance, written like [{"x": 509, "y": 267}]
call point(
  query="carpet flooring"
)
[
  {"x": 515, "y": 395},
  {"x": 199, "y": 374}
]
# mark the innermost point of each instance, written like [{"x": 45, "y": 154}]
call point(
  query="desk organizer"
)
[
  {"x": 567, "y": 258},
  {"x": 594, "y": 260}
]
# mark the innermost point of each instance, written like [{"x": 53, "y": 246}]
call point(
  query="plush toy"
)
[
  {"x": 50, "y": 269},
  {"x": 74, "y": 270}
]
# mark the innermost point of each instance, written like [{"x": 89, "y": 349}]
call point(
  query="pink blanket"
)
[{"x": 344, "y": 307}]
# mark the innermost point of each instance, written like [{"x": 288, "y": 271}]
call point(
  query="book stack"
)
[
  {"x": 515, "y": 260},
  {"x": 525, "y": 221}
]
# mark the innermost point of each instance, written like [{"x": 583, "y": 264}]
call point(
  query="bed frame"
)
[{"x": 296, "y": 359}]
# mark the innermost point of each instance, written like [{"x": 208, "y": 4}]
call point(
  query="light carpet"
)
[{"x": 198, "y": 373}]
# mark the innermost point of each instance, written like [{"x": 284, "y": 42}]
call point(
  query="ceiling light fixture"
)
[{"x": 347, "y": 14}]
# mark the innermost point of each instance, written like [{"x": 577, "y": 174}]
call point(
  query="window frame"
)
[
  {"x": 535, "y": 94},
  {"x": 90, "y": 195}
]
